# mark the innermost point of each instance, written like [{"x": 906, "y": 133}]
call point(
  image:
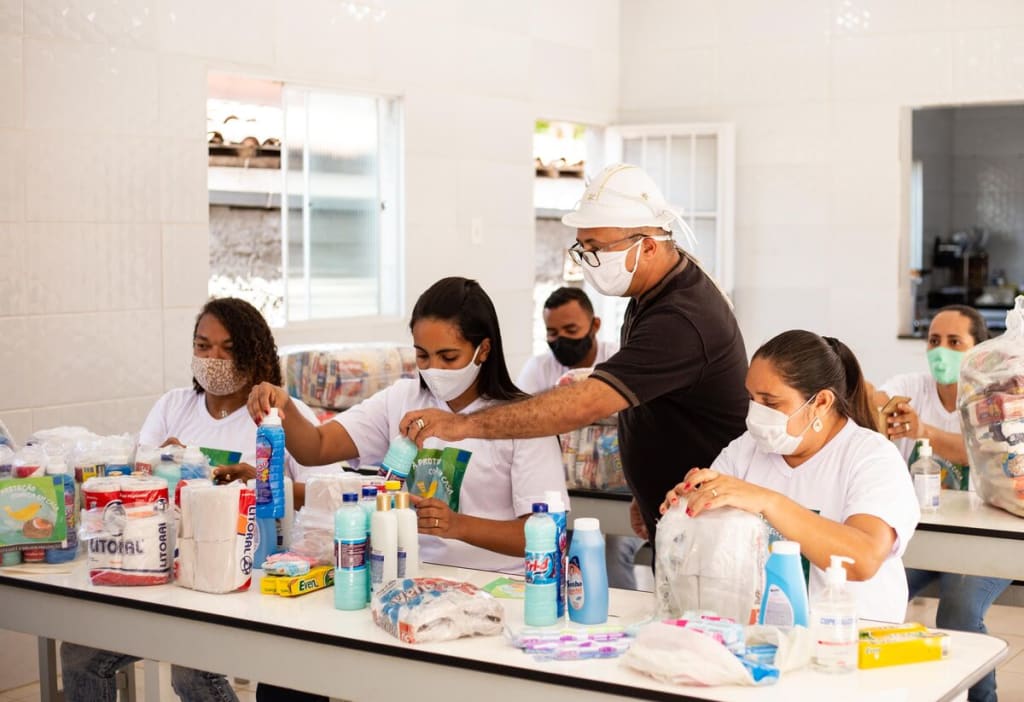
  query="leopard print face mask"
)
[{"x": 218, "y": 376}]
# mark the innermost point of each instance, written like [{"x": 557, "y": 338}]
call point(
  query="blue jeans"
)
[
  {"x": 963, "y": 602},
  {"x": 89, "y": 676}
]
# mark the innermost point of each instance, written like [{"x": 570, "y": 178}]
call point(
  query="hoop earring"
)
[{"x": 816, "y": 426}]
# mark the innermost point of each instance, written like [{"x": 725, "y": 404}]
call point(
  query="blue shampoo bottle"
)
[
  {"x": 784, "y": 602},
  {"x": 270, "y": 466},
  {"x": 586, "y": 575}
]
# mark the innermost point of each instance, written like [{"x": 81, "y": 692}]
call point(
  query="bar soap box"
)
[
  {"x": 897, "y": 644},
  {"x": 317, "y": 578}
]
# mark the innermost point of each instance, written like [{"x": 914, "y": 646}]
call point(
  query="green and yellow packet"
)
[{"x": 439, "y": 473}]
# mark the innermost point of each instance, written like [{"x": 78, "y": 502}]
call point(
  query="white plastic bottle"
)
[
  {"x": 383, "y": 544},
  {"x": 927, "y": 478},
  {"x": 834, "y": 622},
  {"x": 408, "y": 537}
]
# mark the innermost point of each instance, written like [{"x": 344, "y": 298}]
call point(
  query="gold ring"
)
[
  {"x": 437, "y": 522},
  {"x": 714, "y": 492},
  {"x": 419, "y": 423},
  {"x": 906, "y": 426}
]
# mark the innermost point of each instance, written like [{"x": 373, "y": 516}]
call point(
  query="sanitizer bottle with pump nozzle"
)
[
  {"x": 927, "y": 478},
  {"x": 834, "y": 622}
]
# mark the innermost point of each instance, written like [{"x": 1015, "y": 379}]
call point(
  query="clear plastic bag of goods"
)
[
  {"x": 712, "y": 562},
  {"x": 313, "y": 535},
  {"x": 128, "y": 545},
  {"x": 421, "y": 610},
  {"x": 339, "y": 376},
  {"x": 990, "y": 397}
]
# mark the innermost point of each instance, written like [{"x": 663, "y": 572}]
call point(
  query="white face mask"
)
[
  {"x": 447, "y": 384},
  {"x": 768, "y": 427},
  {"x": 612, "y": 278}
]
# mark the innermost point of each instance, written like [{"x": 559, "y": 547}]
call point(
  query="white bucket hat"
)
[{"x": 624, "y": 196}]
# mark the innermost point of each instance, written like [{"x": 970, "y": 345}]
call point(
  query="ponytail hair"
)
[{"x": 810, "y": 363}]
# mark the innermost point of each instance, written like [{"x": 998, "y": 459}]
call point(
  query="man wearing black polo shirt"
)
[{"x": 677, "y": 380}]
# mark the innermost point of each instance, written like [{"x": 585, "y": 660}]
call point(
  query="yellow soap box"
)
[
  {"x": 291, "y": 585},
  {"x": 898, "y": 644}
]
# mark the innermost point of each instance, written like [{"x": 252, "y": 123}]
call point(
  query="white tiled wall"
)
[
  {"x": 103, "y": 204},
  {"x": 815, "y": 89}
]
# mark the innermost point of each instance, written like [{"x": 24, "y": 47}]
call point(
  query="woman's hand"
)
[
  {"x": 435, "y": 518},
  {"x": 264, "y": 396},
  {"x": 680, "y": 490},
  {"x": 706, "y": 489},
  {"x": 421, "y": 424},
  {"x": 904, "y": 423},
  {"x": 229, "y": 473}
]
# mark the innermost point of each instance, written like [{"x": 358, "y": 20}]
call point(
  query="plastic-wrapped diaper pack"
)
[
  {"x": 421, "y": 610},
  {"x": 991, "y": 401},
  {"x": 712, "y": 562},
  {"x": 339, "y": 376}
]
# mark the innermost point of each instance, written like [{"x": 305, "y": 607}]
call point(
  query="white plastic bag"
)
[
  {"x": 419, "y": 610},
  {"x": 714, "y": 562},
  {"x": 991, "y": 402}
]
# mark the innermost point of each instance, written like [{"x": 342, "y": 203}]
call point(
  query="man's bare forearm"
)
[{"x": 553, "y": 412}]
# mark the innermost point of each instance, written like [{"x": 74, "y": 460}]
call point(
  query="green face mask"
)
[{"x": 945, "y": 365}]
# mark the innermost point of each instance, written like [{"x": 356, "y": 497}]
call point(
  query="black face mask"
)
[{"x": 568, "y": 351}]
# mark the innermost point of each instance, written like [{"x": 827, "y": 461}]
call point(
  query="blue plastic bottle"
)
[
  {"x": 58, "y": 470},
  {"x": 269, "y": 539},
  {"x": 368, "y": 503},
  {"x": 586, "y": 576},
  {"x": 541, "y": 607},
  {"x": 270, "y": 466},
  {"x": 784, "y": 602},
  {"x": 398, "y": 460},
  {"x": 556, "y": 508},
  {"x": 350, "y": 569}
]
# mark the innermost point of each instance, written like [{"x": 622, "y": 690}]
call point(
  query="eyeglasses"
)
[{"x": 580, "y": 255}]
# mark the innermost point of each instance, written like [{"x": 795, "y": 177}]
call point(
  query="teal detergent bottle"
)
[{"x": 784, "y": 602}]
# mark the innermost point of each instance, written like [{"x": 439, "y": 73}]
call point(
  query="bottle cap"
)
[
  {"x": 383, "y": 502},
  {"x": 392, "y": 485},
  {"x": 786, "y": 548},
  {"x": 586, "y": 524},
  {"x": 369, "y": 491},
  {"x": 273, "y": 418},
  {"x": 401, "y": 500},
  {"x": 924, "y": 447},
  {"x": 350, "y": 497},
  {"x": 554, "y": 500},
  {"x": 540, "y": 507},
  {"x": 835, "y": 574}
]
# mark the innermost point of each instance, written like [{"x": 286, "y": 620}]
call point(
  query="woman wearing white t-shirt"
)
[
  {"x": 932, "y": 414},
  {"x": 232, "y": 350},
  {"x": 817, "y": 475},
  {"x": 462, "y": 369}
]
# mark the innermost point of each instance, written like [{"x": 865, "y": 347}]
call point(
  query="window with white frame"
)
[{"x": 305, "y": 210}]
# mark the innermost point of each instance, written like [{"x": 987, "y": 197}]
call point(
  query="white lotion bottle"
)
[
  {"x": 383, "y": 544},
  {"x": 834, "y": 629},
  {"x": 408, "y": 537}
]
